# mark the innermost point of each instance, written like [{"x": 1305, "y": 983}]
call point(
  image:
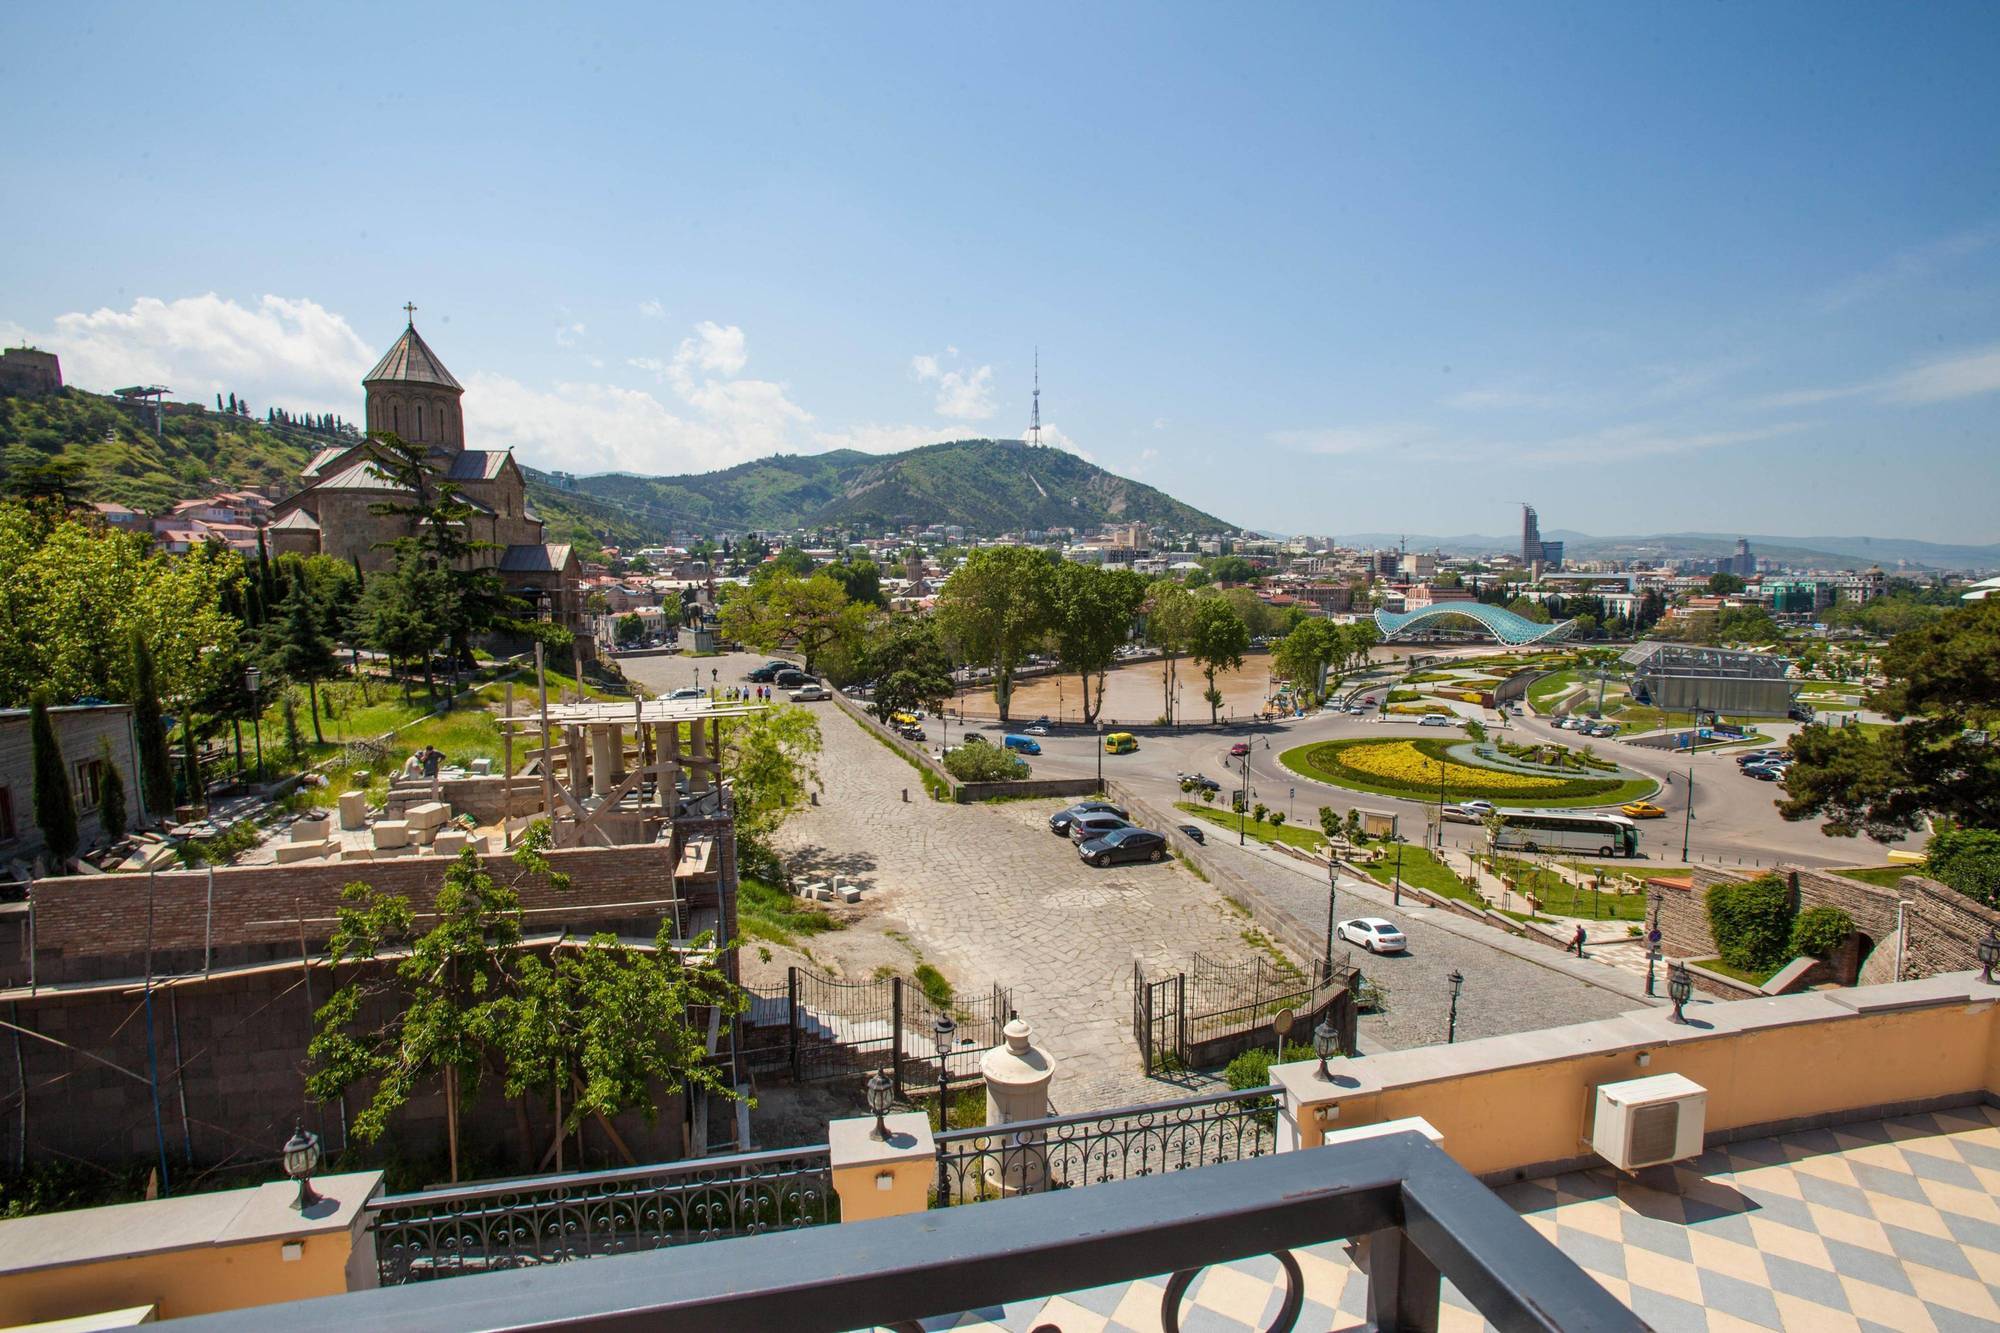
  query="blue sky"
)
[{"x": 1321, "y": 268}]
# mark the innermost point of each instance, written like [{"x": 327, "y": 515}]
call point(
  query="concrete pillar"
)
[
  {"x": 1017, "y": 1089},
  {"x": 697, "y": 750},
  {"x": 882, "y": 1177},
  {"x": 670, "y": 770},
  {"x": 603, "y": 758}
]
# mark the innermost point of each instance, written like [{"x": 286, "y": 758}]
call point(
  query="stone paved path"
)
[{"x": 988, "y": 895}]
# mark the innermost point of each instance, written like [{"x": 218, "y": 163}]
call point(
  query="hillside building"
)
[
  {"x": 29, "y": 372},
  {"x": 411, "y": 395}
]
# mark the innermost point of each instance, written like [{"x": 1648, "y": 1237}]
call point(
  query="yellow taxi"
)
[
  {"x": 1641, "y": 810},
  {"x": 1120, "y": 742}
]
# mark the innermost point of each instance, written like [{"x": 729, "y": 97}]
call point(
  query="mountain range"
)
[
  {"x": 985, "y": 486},
  {"x": 1832, "y": 552}
]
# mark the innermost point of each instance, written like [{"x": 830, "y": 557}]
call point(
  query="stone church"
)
[{"x": 411, "y": 395}]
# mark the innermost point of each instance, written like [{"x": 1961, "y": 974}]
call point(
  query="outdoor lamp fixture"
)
[
  {"x": 251, "y": 677},
  {"x": 880, "y": 1091},
  {"x": 1457, "y": 981},
  {"x": 1989, "y": 953},
  {"x": 301, "y": 1157},
  {"x": 1680, "y": 988},
  {"x": 1326, "y": 1045},
  {"x": 945, "y": 1030}
]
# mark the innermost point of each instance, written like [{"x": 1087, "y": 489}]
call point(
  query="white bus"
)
[{"x": 1585, "y": 831}]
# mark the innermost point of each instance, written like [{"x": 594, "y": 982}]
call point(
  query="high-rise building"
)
[{"x": 1533, "y": 549}]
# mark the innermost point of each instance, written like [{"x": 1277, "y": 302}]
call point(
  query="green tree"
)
[
  {"x": 811, "y": 614},
  {"x": 912, "y": 672},
  {"x": 996, "y": 607},
  {"x": 1724, "y": 584},
  {"x": 792, "y": 560},
  {"x": 296, "y": 647},
  {"x": 112, "y": 816},
  {"x": 1528, "y": 609},
  {"x": 771, "y": 759},
  {"x": 1944, "y": 688},
  {"x": 860, "y": 579},
  {"x": 156, "y": 769},
  {"x": 1169, "y": 612},
  {"x": 630, "y": 629},
  {"x": 1217, "y": 640},
  {"x": 1968, "y": 860},
  {"x": 1228, "y": 569},
  {"x": 1091, "y": 614},
  {"x": 1258, "y": 617},
  {"x": 55, "y": 803}
]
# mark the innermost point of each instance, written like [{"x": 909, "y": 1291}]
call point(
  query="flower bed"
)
[{"x": 1409, "y": 768}]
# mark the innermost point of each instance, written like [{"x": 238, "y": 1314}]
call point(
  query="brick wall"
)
[
  {"x": 1944, "y": 926},
  {"x": 99, "y": 926}
]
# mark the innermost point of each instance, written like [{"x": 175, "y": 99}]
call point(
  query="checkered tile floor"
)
[{"x": 1882, "y": 1225}]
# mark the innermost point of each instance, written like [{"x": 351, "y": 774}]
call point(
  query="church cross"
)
[{"x": 410, "y": 311}]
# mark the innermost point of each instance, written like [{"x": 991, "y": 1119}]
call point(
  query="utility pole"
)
[
  {"x": 1326, "y": 962},
  {"x": 1396, "y": 836},
  {"x": 1687, "y": 821}
]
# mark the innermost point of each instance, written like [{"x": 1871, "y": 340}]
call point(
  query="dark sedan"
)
[
  {"x": 1060, "y": 821},
  {"x": 1124, "y": 844},
  {"x": 1194, "y": 831}
]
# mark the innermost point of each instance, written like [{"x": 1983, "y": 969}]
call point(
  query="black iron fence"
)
[
  {"x": 554, "y": 1219},
  {"x": 816, "y": 1028},
  {"x": 1424, "y": 1219},
  {"x": 1190, "y": 1016},
  {"x": 1066, "y": 1151}
]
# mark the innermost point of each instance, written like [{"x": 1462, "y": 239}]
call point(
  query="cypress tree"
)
[
  {"x": 156, "y": 772},
  {"x": 55, "y": 804},
  {"x": 111, "y": 800},
  {"x": 265, "y": 575}
]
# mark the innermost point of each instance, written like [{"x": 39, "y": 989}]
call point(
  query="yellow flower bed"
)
[
  {"x": 1402, "y": 761},
  {"x": 1415, "y": 709}
]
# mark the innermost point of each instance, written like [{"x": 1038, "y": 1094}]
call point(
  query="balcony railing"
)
[
  {"x": 553, "y": 1219},
  {"x": 1423, "y": 1216},
  {"x": 1062, "y": 1152}
]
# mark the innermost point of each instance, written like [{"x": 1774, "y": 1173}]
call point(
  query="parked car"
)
[
  {"x": 810, "y": 694},
  {"x": 1022, "y": 744},
  {"x": 765, "y": 674},
  {"x": 1458, "y": 814},
  {"x": 1059, "y": 822},
  {"x": 911, "y": 732},
  {"x": 687, "y": 692},
  {"x": 1749, "y": 757},
  {"x": 791, "y": 678},
  {"x": 1124, "y": 843},
  {"x": 974, "y": 738},
  {"x": 1238, "y": 750},
  {"x": 1120, "y": 742},
  {"x": 1375, "y": 934},
  {"x": 1194, "y": 834},
  {"x": 1200, "y": 781},
  {"x": 1095, "y": 825},
  {"x": 1036, "y": 729},
  {"x": 1766, "y": 772},
  {"x": 1477, "y": 807},
  {"x": 1641, "y": 810}
]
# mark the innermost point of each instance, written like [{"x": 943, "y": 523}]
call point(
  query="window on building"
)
[
  {"x": 396, "y": 418},
  {"x": 7, "y": 830},
  {"x": 89, "y": 783}
]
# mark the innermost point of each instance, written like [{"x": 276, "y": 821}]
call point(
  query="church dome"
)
[
  {"x": 411, "y": 361},
  {"x": 412, "y": 396}
]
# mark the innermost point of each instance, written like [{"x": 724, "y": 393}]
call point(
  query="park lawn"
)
[
  {"x": 1561, "y": 898},
  {"x": 1303, "y": 836},
  {"x": 766, "y": 912},
  {"x": 1422, "y": 868},
  {"x": 1632, "y": 789},
  {"x": 1882, "y": 877},
  {"x": 1548, "y": 687},
  {"x": 1748, "y": 978},
  {"x": 1616, "y": 869}
]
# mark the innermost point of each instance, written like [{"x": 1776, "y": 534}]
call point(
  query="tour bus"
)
[
  {"x": 1588, "y": 831},
  {"x": 1120, "y": 742}
]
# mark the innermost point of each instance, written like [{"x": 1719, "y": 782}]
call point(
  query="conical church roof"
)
[{"x": 411, "y": 361}]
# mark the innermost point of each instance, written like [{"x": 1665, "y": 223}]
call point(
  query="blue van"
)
[{"x": 1022, "y": 744}]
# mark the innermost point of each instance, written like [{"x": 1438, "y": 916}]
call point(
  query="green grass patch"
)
[
  {"x": 935, "y": 987},
  {"x": 1737, "y": 973},
  {"x": 1320, "y": 763},
  {"x": 766, "y": 912},
  {"x": 1559, "y": 897},
  {"x": 1633, "y": 869},
  {"x": 1422, "y": 868},
  {"x": 1543, "y": 692},
  {"x": 1298, "y": 835},
  {"x": 1882, "y": 877},
  {"x": 1191, "y": 867},
  {"x": 937, "y": 787}
]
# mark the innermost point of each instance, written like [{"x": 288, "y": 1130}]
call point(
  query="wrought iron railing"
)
[
  {"x": 1065, "y": 1151},
  {"x": 1424, "y": 1219},
  {"x": 553, "y": 1219}
]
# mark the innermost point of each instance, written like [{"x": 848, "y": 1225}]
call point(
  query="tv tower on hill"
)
[{"x": 1035, "y": 412}]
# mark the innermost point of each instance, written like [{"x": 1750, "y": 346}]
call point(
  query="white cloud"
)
[
  {"x": 652, "y": 309},
  {"x": 1504, "y": 400},
  {"x": 963, "y": 395},
  {"x": 1908, "y": 266},
  {"x": 1361, "y": 439},
  {"x": 291, "y": 353},
  {"x": 1139, "y": 466},
  {"x": 713, "y": 348},
  {"x": 567, "y": 334},
  {"x": 1159, "y": 423},
  {"x": 1964, "y": 376},
  {"x": 876, "y": 438}
]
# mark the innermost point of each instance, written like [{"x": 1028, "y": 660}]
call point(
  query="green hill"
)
[{"x": 988, "y": 486}]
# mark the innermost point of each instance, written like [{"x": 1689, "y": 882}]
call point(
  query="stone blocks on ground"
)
[
  {"x": 430, "y": 814},
  {"x": 391, "y": 833},
  {"x": 310, "y": 830},
  {"x": 449, "y": 842},
  {"x": 353, "y": 810},
  {"x": 289, "y": 852}
]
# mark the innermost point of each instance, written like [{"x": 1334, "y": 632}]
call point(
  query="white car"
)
[
  {"x": 1435, "y": 720},
  {"x": 1375, "y": 934},
  {"x": 806, "y": 694},
  {"x": 1477, "y": 807},
  {"x": 687, "y": 692}
]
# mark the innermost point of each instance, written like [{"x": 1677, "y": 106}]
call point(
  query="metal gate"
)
[
  {"x": 817, "y": 1028},
  {"x": 1157, "y": 1009}
]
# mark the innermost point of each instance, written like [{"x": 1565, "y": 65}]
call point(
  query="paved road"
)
[{"x": 1735, "y": 821}]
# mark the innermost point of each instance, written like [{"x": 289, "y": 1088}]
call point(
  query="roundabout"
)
[{"x": 1425, "y": 769}]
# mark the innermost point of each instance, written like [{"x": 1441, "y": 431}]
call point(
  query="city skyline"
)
[{"x": 1713, "y": 270}]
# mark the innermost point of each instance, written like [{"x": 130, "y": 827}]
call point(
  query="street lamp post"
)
[
  {"x": 1100, "y": 757},
  {"x": 1989, "y": 954},
  {"x": 251, "y": 678},
  {"x": 1326, "y": 966},
  {"x": 943, "y": 1029},
  {"x": 1457, "y": 982},
  {"x": 1653, "y": 941},
  {"x": 1396, "y": 836},
  {"x": 1687, "y": 820}
]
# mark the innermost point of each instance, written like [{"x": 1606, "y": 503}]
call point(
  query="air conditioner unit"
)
[{"x": 1649, "y": 1121}]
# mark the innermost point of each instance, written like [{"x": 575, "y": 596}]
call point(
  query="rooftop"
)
[{"x": 411, "y": 361}]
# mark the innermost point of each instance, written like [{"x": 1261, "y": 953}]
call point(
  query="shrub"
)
[
  {"x": 1258, "y": 811},
  {"x": 1968, "y": 860},
  {"x": 1752, "y": 922},
  {"x": 936, "y": 989},
  {"x": 1277, "y": 819},
  {"x": 1818, "y": 931},
  {"x": 1252, "y": 1069},
  {"x": 985, "y": 763}
]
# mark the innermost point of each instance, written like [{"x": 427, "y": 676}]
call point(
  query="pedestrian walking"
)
[{"x": 1576, "y": 944}]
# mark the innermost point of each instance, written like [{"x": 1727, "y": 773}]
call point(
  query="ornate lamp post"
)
[
  {"x": 252, "y": 677},
  {"x": 301, "y": 1159},
  {"x": 880, "y": 1092},
  {"x": 1457, "y": 982},
  {"x": 1680, "y": 989},
  {"x": 1652, "y": 941},
  {"x": 1326, "y": 1045},
  {"x": 1989, "y": 954},
  {"x": 944, "y": 1030},
  {"x": 1326, "y": 966}
]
